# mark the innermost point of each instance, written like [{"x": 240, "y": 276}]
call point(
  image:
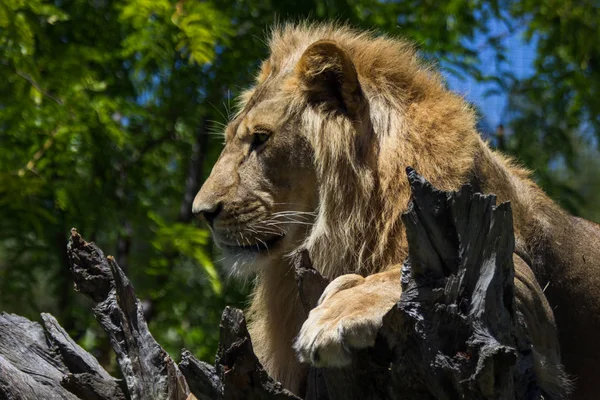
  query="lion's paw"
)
[{"x": 348, "y": 317}]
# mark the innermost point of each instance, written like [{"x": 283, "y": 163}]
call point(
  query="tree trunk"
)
[{"x": 453, "y": 334}]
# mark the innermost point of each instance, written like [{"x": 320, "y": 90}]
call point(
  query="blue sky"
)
[{"x": 520, "y": 58}]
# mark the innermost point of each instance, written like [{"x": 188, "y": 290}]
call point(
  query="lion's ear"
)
[{"x": 329, "y": 77}]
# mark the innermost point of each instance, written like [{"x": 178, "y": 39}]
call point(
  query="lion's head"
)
[
  {"x": 261, "y": 195},
  {"x": 316, "y": 154}
]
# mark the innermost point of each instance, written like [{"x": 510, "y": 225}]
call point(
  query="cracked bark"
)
[{"x": 453, "y": 334}]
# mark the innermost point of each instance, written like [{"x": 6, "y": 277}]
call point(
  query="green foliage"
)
[
  {"x": 106, "y": 110},
  {"x": 186, "y": 240},
  {"x": 554, "y": 114},
  {"x": 161, "y": 28},
  {"x": 98, "y": 114}
]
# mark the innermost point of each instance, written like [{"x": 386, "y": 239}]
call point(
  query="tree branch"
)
[
  {"x": 453, "y": 334},
  {"x": 33, "y": 83}
]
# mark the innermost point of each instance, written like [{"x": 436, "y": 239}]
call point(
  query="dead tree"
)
[{"x": 454, "y": 333}]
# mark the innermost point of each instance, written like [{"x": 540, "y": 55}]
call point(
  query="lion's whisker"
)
[
  {"x": 276, "y": 223},
  {"x": 264, "y": 244},
  {"x": 288, "y": 219},
  {"x": 294, "y": 212},
  {"x": 292, "y": 217},
  {"x": 266, "y": 229},
  {"x": 305, "y": 216}
]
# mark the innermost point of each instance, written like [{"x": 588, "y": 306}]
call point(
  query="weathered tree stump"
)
[
  {"x": 43, "y": 362},
  {"x": 454, "y": 333}
]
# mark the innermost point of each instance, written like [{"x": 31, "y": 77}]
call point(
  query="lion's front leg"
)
[{"x": 348, "y": 317}]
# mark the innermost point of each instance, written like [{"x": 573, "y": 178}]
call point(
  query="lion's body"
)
[{"x": 408, "y": 119}]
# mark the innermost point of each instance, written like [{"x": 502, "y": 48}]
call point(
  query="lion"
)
[{"x": 315, "y": 159}]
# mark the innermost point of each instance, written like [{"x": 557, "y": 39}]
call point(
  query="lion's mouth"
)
[{"x": 258, "y": 246}]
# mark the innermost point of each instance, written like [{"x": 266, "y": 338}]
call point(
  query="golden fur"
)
[{"x": 346, "y": 112}]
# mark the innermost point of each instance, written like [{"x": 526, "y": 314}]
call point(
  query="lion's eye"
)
[{"x": 259, "y": 138}]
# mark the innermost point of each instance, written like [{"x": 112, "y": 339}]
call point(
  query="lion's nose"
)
[{"x": 207, "y": 211}]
